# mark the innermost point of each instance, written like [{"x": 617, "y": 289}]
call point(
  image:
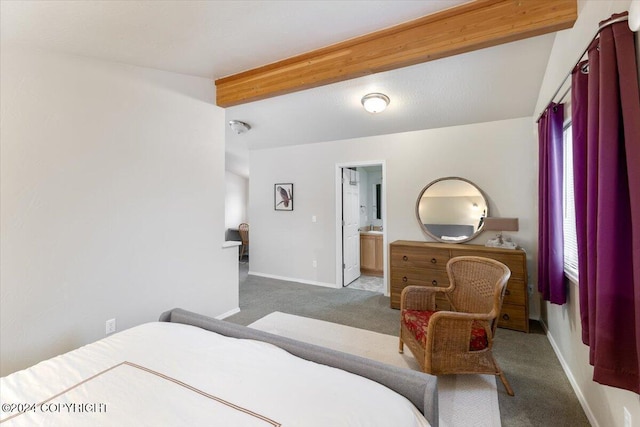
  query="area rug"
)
[{"x": 463, "y": 400}]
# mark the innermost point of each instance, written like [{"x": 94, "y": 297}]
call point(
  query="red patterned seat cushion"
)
[{"x": 418, "y": 320}]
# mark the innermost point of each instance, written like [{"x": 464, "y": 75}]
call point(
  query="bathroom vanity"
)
[{"x": 371, "y": 260}]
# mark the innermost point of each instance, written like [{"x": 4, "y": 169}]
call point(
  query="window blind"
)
[{"x": 569, "y": 211}]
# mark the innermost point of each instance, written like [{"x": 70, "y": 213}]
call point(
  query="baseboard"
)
[
  {"x": 290, "y": 279},
  {"x": 572, "y": 380},
  {"x": 228, "y": 313}
]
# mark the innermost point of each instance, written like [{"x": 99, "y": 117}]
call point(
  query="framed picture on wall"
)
[{"x": 283, "y": 197}]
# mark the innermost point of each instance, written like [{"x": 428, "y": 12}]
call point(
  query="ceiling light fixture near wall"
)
[
  {"x": 375, "y": 102},
  {"x": 239, "y": 127}
]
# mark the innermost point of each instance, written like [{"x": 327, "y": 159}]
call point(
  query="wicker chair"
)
[
  {"x": 243, "y": 229},
  {"x": 458, "y": 341}
]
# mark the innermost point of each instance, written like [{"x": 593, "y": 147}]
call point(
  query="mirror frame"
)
[{"x": 438, "y": 238}]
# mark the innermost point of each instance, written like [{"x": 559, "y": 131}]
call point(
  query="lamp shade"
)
[{"x": 501, "y": 224}]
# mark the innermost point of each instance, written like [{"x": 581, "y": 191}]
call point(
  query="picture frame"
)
[{"x": 283, "y": 196}]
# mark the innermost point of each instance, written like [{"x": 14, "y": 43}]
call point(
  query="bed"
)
[
  {"x": 188, "y": 369},
  {"x": 452, "y": 231}
]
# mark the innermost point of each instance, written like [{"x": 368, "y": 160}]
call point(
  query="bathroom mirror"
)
[
  {"x": 452, "y": 210},
  {"x": 377, "y": 193}
]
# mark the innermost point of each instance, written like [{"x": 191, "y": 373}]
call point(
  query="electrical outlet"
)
[
  {"x": 627, "y": 417},
  {"x": 110, "y": 326},
  {"x": 315, "y": 263}
]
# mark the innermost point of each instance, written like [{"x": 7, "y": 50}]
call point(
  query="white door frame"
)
[{"x": 338, "y": 216}]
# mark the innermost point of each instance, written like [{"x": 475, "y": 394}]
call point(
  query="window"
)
[{"x": 569, "y": 211}]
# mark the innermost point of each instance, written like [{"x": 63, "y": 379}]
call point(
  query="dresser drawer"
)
[
  {"x": 515, "y": 260},
  {"x": 421, "y": 277},
  {"x": 396, "y": 291},
  {"x": 419, "y": 257},
  {"x": 395, "y": 300},
  {"x": 442, "y": 303},
  {"x": 516, "y": 293},
  {"x": 513, "y": 317}
]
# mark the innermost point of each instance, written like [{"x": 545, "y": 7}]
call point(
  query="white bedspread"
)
[{"x": 167, "y": 374}]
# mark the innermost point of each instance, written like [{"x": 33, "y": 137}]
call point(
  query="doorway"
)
[
  {"x": 360, "y": 206},
  {"x": 350, "y": 225}
]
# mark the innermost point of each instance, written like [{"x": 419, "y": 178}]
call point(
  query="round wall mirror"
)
[{"x": 452, "y": 210}]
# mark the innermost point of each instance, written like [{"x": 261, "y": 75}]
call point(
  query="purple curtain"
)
[
  {"x": 606, "y": 139},
  {"x": 550, "y": 235}
]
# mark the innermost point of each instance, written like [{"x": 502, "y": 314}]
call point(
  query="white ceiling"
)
[{"x": 213, "y": 39}]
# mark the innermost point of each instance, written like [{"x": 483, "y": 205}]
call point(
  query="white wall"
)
[
  {"x": 111, "y": 201},
  {"x": 236, "y": 199},
  {"x": 603, "y": 405},
  {"x": 500, "y": 157}
]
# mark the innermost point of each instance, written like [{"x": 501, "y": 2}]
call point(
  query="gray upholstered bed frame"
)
[
  {"x": 451, "y": 230},
  {"x": 419, "y": 388}
]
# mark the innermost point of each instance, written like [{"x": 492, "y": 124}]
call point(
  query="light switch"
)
[{"x": 313, "y": 218}]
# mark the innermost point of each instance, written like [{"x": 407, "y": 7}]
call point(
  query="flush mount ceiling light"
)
[
  {"x": 375, "y": 102},
  {"x": 239, "y": 127}
]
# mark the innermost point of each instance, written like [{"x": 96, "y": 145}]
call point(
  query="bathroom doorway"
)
[{"x": 369, "y": 248}]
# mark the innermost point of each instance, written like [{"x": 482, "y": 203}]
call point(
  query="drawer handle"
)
[
  {"x": 405, "y": 258},
  {"x": 507, "y": 292},
  {"x": 434, "y": 282},
  {"x": 505, "y": 317},
  {"x": 404, "y": 279},
  {"x": 433, "y": 260}
]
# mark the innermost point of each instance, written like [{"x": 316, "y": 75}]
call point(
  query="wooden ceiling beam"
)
[{"x": 468, "y": 27}]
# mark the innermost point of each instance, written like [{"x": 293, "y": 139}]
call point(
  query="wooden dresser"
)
[{"x": 424, "y": 264}]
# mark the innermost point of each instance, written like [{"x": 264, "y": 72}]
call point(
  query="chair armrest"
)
[
  {"x": 452, "y": 330},
  {"x": 456, "y": 315},
  {"x": 420, "y": 297}
]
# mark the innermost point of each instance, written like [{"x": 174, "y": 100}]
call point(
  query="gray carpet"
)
[{"x": 543, "y": 395}]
